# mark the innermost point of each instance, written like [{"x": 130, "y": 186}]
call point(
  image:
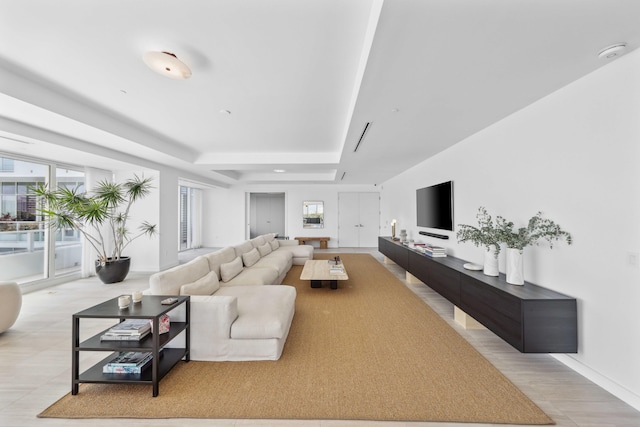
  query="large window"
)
[
  {"x": 22, "y": 234},
  {"x": 26, "y": 252},
  {"x": 190, "y": 201}
]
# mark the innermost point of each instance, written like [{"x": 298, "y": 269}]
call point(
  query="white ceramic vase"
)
[
  {"x": 515, "y": 267},
  {"x": 491, "y": 262}
]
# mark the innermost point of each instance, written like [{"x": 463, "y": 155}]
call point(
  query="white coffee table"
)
[{"x": 318, "y": 271}]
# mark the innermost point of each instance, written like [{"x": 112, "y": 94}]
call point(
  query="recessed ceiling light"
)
[
  {"x": 167, "y": 64},
  {"x": 279, "y": 170},
  {"x": 612, "y": 51}
]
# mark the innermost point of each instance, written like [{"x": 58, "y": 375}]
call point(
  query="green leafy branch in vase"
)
[
  {"x": 485, "y": 234},
  {"x": 537, "y": 229}
]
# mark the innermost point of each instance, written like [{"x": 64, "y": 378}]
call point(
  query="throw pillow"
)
[
  {"x": 264, "y": 249},
  {"x": 251, "y": 257},
  {"x": 231, "y": 269},
  {"x": 274, "y": 244},
  {"x": 206, "y": 285}
]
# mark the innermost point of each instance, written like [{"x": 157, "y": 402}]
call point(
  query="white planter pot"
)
[
  {"x": 491, "y": 262},
  {"x": 515, "y": 267}
]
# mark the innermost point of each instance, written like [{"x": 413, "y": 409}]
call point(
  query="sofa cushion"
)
[
  {"x": 263, "y": 312},
  {"x": 217, "y": 258},
  {"x": 264, "y": 249},
  {"x": 298, "y": 251},
  {"x": 258, "y": 241},
  {"x": 243, "y": 248},
  {"x": 231, "y": 269},
  {"x": 274, "y": 244},
  {"x": 278, "y": 260},
  {"x": 251, "y": 257},
  {"x": 254, "y": 276},
  {"x": 206, "y": 285},
  {"x": 168, "y": 282}
]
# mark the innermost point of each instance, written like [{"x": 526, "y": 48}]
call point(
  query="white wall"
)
[
  {"x": 575, "y": 156},
  {"x": 169, "y": 225},
  {"x": 224, "y": 211}
]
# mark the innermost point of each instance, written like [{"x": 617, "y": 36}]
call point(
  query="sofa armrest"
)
[
  {"x": 212, "y": 316},
  {"x": 288, "y": 242}
]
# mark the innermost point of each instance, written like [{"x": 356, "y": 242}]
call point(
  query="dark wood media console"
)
[{"x": 531, "y": 318}]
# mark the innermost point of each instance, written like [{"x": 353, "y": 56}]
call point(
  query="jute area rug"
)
[{"x": 370, "y": 350}]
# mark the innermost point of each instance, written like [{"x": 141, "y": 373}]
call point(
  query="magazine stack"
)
[
  {"x": 129, "y": 330},
  {"x": 434, "y": 251},
  {"x": 130, "y": 362}
]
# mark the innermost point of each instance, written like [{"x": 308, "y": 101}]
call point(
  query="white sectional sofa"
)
[{"x": 234, "y": 316}]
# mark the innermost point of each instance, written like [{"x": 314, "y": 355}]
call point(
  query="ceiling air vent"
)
[{"x": 364, "y": 132}]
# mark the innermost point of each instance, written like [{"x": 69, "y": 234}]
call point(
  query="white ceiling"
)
[{"x": 300, "y": 78}]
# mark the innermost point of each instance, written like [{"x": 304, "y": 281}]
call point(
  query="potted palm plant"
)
[
  {"x": 537, "y": 229},
  {"x": 485, "y": 234},
  {"x": 101, "y": 217}
]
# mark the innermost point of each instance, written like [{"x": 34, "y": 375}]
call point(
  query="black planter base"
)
[{"x": 113, "y": 271}]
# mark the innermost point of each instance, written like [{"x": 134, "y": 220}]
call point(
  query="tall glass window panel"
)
[
  {"x": 184, "y": 218},
  {"x": 190, "y": 218},
  {"x": 68, "y": 242},
  {"x": 22, "y": 232}
]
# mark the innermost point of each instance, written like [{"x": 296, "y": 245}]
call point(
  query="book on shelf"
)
[
  {"x": 125, "y": 369},
  {"x": 130, "y": 358},
  {"x": 131, "y": 326},
  {"x": 434, "y": 255},
  {"x": 432, "y": 251},
  {"x": 108, "y": 336},
  {"x": 130, "y": 362}
]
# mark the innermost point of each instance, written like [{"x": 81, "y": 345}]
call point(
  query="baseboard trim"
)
[
  {"x": 38, "y": 285},
  {"x": 611, "y": 386}
]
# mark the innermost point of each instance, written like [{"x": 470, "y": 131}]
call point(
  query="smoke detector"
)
[{"x": 612, "y": 51}]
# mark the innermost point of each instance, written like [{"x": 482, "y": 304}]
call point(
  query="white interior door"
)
[
  {"x": 369, "y": 219},
  {"x": 358, "y": 219},
  {"x": 348, "y": 220}
]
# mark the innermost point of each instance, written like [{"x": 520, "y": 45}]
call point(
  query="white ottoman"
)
[{"x": 10, "y": 304}]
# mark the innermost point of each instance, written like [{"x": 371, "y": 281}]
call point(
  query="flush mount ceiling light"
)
[
  {"x": 612, "y": 51},
  {"x": 167, "y": 64},
  {"x": 279, "y": 170}
]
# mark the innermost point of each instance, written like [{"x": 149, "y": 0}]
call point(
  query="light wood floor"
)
[{"x": 35, "y": 365}]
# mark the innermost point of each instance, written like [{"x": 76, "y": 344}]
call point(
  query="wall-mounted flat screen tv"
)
[{"x": 435, "y": 206}]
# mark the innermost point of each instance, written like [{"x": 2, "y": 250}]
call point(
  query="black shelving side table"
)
[{"x": 150, "y": 308}]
